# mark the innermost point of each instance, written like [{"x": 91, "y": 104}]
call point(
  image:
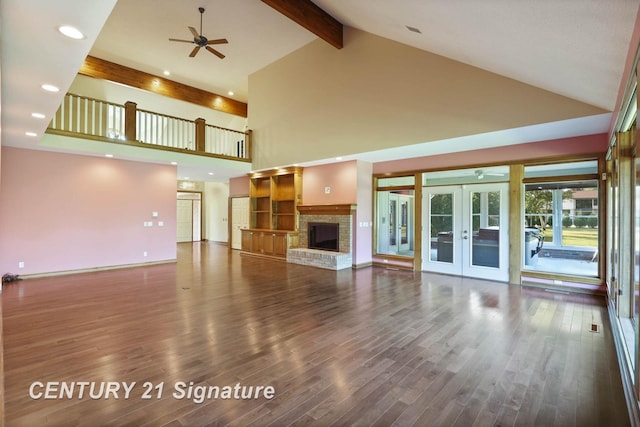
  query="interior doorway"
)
[
  {"x": 465, "y": 230},
  {"x": 239, "y": 220},
  {"x": 189, "y": 217}
]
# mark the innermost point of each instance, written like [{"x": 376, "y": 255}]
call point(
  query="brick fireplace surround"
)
[{"x": 340, "y": 214}]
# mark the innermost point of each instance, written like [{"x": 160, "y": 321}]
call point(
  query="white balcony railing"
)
[{"x": 87, "y": 117}]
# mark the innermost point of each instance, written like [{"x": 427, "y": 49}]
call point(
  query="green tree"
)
[{"x": 538, "y": 207}]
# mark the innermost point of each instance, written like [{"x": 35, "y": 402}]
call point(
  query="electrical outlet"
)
[
  {"x": 144, "y": 253},
  {"x": 327, "y": 190},
  {"x": 21, "y": 264}
]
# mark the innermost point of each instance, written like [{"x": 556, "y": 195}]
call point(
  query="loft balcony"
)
[{"x": 89, "y": 118}]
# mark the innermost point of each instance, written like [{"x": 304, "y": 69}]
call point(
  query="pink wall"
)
[
  {"x": 350, "y": 183},
  {"x": 342, "y": 178},
  {"x": 521, "y": 152},
  {"x": 239, "y": 186},
  {"x": 62, "y": 212}
]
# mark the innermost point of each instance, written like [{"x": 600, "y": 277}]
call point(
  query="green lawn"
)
[{"x": 587, "y": 237}]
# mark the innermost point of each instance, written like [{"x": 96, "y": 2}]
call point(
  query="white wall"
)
[{"x": 216, "y": 212}]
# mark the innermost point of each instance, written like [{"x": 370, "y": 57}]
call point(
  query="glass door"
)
[
  {"x": 485, "y": 246},
  {"x": 395, "y": 222},
  {"x": 442, "y": 229},
  {"x": 466, "y": 230}
]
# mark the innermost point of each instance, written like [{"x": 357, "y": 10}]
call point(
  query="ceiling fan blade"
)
[
  {"x": 194, "y": 32},
  {"x": 215, "y": 52},
  {"x": 217, "y": 41},
  {"x": 194, "y": 51},
  {"x": 179, "y": 40}
]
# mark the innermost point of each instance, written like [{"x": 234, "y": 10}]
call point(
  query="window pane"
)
[
  {"x": 441, "y": 219},
  {"x": 561, "y": 220},
  {"x": 485, "y": 233},
  {"x": 398, "y": 181}
]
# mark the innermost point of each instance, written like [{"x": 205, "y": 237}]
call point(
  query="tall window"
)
[{"x": 561, "y": 219}]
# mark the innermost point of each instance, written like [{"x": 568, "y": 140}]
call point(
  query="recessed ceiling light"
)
[
  {"x": 210, "y": 173},
  {"x": 31, "y": 134},
  {"x": 38, "y": 115},
  {"x": 166, "y": 72},
  {"x": 50, "y": 88},
  {"x": 174, "y": 163},
  {"x": 338, "y": 158},
  {"x": 108, "y": 155},
  {"x": 230, "y": 93},
  {"x": 71, "y": 32}
]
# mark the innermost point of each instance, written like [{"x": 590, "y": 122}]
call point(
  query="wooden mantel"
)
[{"x": 342, "y": 209}]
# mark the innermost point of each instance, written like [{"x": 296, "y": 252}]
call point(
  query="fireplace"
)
[
  {"x": 330, "y": 245},
  {"x": 324, "y": 236}
]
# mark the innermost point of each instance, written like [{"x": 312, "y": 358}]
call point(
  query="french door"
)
[
  {"x": 465, "y": 230},
  {"x": 400, "y": 207}
]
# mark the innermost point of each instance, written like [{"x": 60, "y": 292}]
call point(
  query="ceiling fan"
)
[
  {"x": 480, "y": 173},
  {"x": 201, "y": 41}
]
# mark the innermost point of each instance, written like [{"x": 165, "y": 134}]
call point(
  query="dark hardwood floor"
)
[{"x": 367, "y": 347}]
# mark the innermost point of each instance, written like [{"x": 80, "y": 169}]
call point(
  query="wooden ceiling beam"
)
[
  {"x": 99, "y": 68},
  {"x": 308, "y": 15}
]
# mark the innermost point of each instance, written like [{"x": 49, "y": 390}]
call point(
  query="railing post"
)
[
  {"x": 247, "y": 148},
  {"x": 130, "y": 125},
  {"x": 200, "y": 131}
]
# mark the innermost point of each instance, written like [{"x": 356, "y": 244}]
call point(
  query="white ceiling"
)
[{"x": 576, "y": 48}]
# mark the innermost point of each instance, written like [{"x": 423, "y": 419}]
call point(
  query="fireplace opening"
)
[{"x": 324, "y": 235}]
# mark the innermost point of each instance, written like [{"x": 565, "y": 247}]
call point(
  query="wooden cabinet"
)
[{"x": 271, "y": 243}]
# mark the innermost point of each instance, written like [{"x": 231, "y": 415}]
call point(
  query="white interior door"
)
[
  {"x": 184, "y": 221},
  {"x": 465, "y": 229},
  {"x": 239, "y": 220},
  {"x": 189, "y": 217}
]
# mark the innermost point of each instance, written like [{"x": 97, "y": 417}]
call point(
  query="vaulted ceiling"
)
[{"x": 576, "y": 48}]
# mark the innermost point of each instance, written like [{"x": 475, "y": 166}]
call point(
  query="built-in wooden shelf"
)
[
  {"x": 274, "y": 196},
  {"x": 340, "y": 209}
]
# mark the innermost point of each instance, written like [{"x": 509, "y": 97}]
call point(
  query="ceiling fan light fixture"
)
[{"x": 201, "y": 41}]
